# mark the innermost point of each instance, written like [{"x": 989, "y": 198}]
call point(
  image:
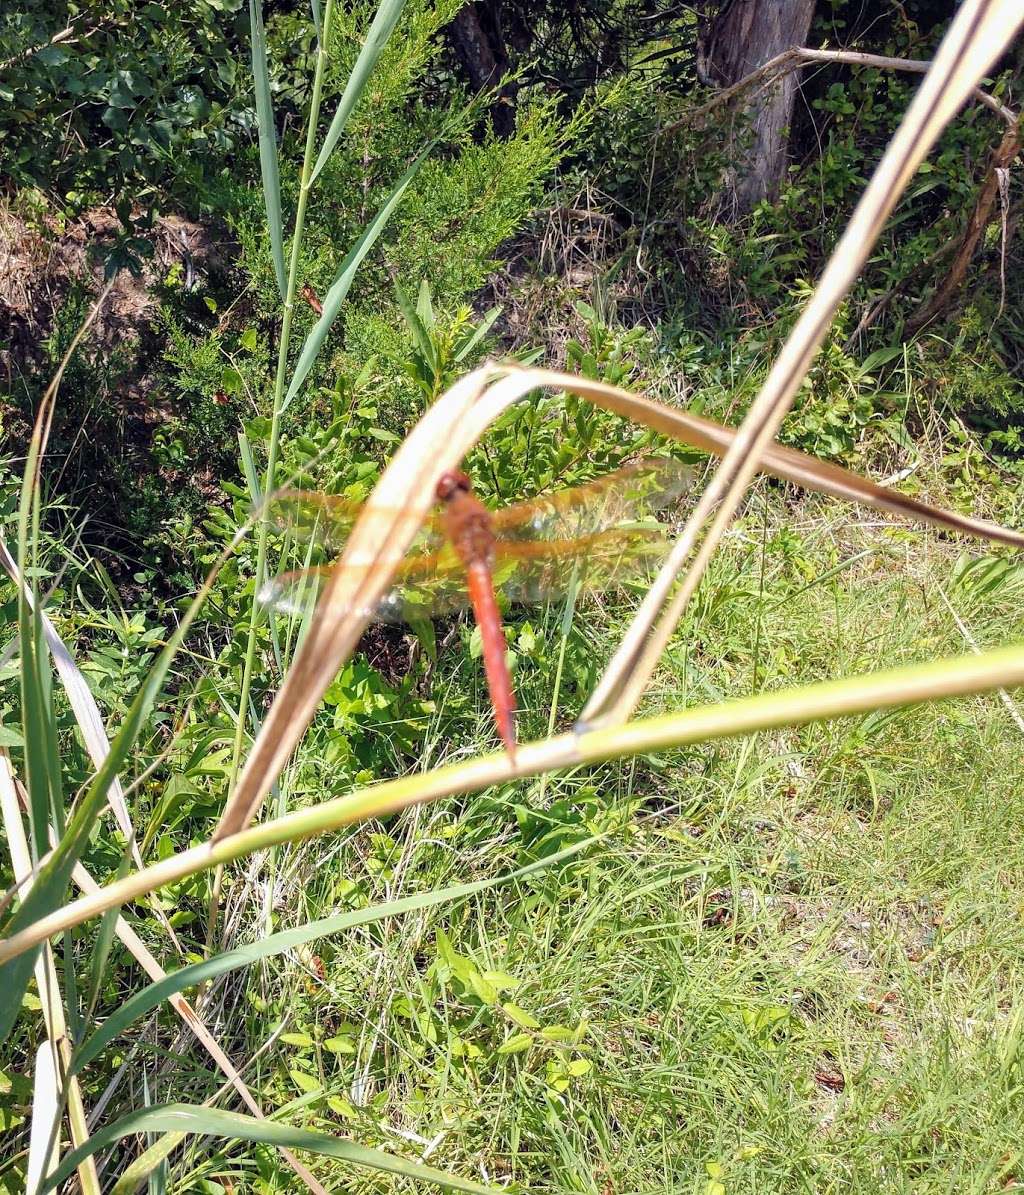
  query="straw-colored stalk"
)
[{"x": 789, "y": 707}]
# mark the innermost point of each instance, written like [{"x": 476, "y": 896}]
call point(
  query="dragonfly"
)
[{"x": 593, "y": 537}]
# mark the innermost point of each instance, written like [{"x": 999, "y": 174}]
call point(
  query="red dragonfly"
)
[{"x": 603, "y": 532}]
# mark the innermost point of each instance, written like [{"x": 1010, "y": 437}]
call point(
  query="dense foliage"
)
[{"x": 594, "y": 234}]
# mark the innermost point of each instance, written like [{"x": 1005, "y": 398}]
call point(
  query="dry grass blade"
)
[
  {"x": 982, "y": 30},
  {"x": 401, "y": 500},
  {"x": 43, "y": 1136},
  {"x": 787, "y": 464},
  {"x": 789, "y": 707},
  {"x": 54, "y": 1057},
  {"x": 405, "y": 496}
]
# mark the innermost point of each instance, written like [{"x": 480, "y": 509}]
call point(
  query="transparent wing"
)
[
  {"x": 524, "y": 573},
  {"x": 605, "y": 530},
  {"x": 634, "y": 493},
  {"x": 327, "y": 519}
]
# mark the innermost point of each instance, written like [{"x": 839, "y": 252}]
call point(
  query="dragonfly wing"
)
[
  {"x": 530, "y": 572},
  {"x": 327, "y": 519},
  {"x": 426, "y": 586},
  {"x": 636, "y": 492}
]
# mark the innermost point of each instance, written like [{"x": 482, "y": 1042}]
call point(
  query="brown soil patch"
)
[{"x": 40, "y": 263}]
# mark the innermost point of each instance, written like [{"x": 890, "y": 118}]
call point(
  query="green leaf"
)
[
  {"x": 230, "y": 380},
  {"x": 521, "y": 1016},
  {"x": 10, "y": 738},
  {"x": 268, "y": 142},
  {"x": 376, "y": 39},
  {"x": 304, "y": 1082},
  {"x": 515, "y": 1044},
  {"x": 232, "y": 1126},
  {"x": 419, "y": 332},
  {"x": 150, "y": 997},
  {"x": 424, "y": 307},
  {"x": 481, "y": 331},
  {"x": 105, "y": 938},
  {"x": 340, "y": 288}
]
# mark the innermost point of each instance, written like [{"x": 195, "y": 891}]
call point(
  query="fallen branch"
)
[
  {"x": 1002, "y": 156},
  {"x": 799, "y": 56}
]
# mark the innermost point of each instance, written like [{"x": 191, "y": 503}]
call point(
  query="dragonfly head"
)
[{"x": 451, "y": 483}]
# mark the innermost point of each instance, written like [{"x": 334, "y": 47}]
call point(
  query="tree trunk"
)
[
  {"x": 743, "y": 35},
  {"x": 477, "y": 38}
]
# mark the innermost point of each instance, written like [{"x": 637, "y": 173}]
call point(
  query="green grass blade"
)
[
  {"x": 42, "y": 759},
  {"x": 340, "y": 288},
  {"x": 104, "y": 941},
  {"x": 376, "y": 39},
  {"x": 268, "y": 142},
  {"x": 231, "y": 960},
  {"x": 419, "y": 332},
  {"x": 194, "y": 1118},
  {"x": 53, "y": 878},
  {"x": 485, "y": 325}
]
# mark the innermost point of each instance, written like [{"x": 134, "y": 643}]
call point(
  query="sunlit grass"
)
[{"x": 794, "y": 958}]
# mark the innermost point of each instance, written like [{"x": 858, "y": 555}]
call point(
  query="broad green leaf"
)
[
  {"x": 304, "y": 1082},
  {"x": 232, "y": 960},
  {"x": 233, "y": 1126},
  {"x": 340, "y": 288},
  {"x": 376, "y": 39},
  {"x": 268, "y": 142},
  {"x": 521, "y": 1016}
]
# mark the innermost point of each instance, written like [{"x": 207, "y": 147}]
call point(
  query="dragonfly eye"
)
[{"x": 451, "y": 482}]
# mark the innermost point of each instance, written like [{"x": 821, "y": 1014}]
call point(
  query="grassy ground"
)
[{"x": 792, "y": 963}]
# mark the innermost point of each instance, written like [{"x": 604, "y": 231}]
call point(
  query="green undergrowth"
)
[{"x": 787, "y": 962}]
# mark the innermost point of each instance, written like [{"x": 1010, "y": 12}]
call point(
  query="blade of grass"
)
[
  {"x": 140, "y": 952},
  {"x": 233, "y": 1126},
  {"x": 49, "y": 991},
  {"x": 42, "y": 761},
  {"x": 90, "y": 724},
  {"x": 910, "y": 685},
  {"x": 269, "y": 168},
  {"x": 244, "y": 956},
  {"x": 376, "y": 39},
  {"x": 346, "y": 275},
  {"x": 44, "y": 1133},
  {"x": 52, "y": 879},
  {"x": 981, "y": 30}
]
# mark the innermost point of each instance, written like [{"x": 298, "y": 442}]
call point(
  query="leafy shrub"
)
[{"x": 138, "y": 100}]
